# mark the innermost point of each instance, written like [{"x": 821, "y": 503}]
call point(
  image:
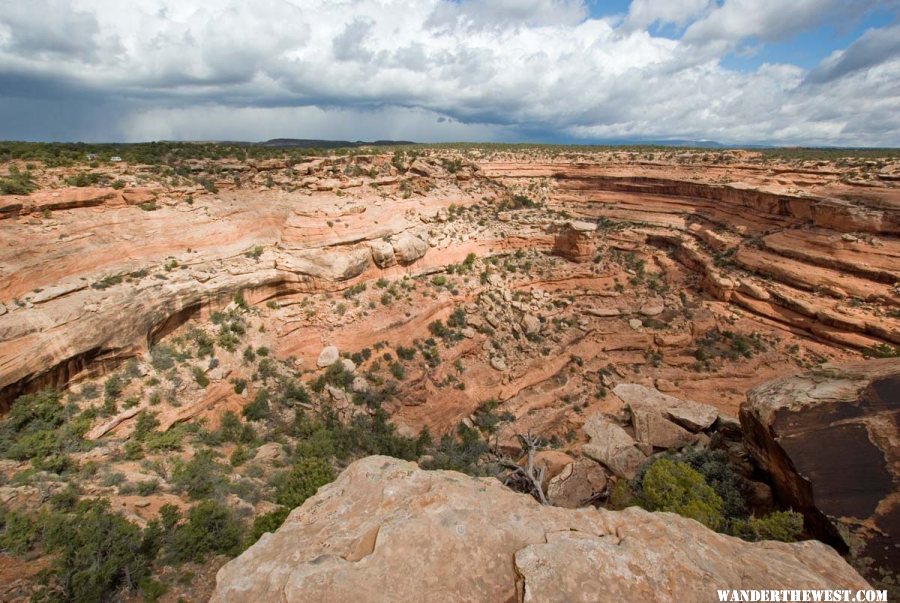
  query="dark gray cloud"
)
[{"x": 61, "y": 30}]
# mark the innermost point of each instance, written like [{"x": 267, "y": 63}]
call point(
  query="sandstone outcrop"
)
[
  {"x": 388, "y": 531},
  {"x": 576, "y": 241},
  {"x": 830, "y": 440},
  {"x": 612, "y": 446},
  {"x": 408, "y": 248},
  {"x": 577, "y": 484}
]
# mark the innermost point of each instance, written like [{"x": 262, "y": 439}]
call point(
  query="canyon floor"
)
[{"x": 197, "y": 307}]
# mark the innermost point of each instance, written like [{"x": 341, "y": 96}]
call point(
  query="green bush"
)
[
  {"x": 19, "y": 532},
  {"x": 95, "y": 553},
  {"x": 717, "y": 472},
  {"x": 335, "y": 375},
  {"x": 83, "y": 179},
  {"x": 267, "y": 522},
  {"x": 486, "y": 419},
  {"x": 239, "y": 456},
  {"x": 259, "y": 408},
  {"x": 406, "y": 353},
  {"x": 133, "y": 450},
  {"x": 463, "y": 454},
  {"x": 144, "y": 425},
  {"x": 780, "y": 525},
  {"x": 457, "y": 318},
  {"x": 397, "y": 371},
  {"x": 302, "y": 481},
  {"x": 167, "y": 440},
  {"x": 200, "y": 376},
  {"x": 162, "y": 357},
  {"x": 677, "y": 488},
  {"x": 201, "y": 477},
  {"x": 210, "y": 529},
  {"x": 40, "y": 429},
  {"x": 17, "y": 182},
  {"x": 113, "y": 386}
]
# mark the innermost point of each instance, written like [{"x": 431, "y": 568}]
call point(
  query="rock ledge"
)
[{"x": 389, "y": 531}]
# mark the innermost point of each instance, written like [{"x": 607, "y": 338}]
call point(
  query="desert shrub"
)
[
  {"x": 717, "y": 472},
  {"x": 113, "y": 386},
  {"x": 486, "y": 419},
  {"x": 166, "y": 440},
  {"x": 335, "y": 375},
  {"x": 438, "y": 329},
  {"x": 882, "y": 350},
  {"x": 200, "y": 376},
  {"x": 229, "y": 427},
  {"x": 780, "y": 525},
  {"x": 210, "y": 528},
  {"x": 326, "y": 437},
  {"x": 39, "y": 428},
  {"x": 208, "y": 184},
  {"x": 83, "y": 179},
  {"x": 17, "y": 182},
  {"x": 302, "y": 481},
  {"x": 459, "y": 454},
  {"x": 677, "y": 488},
  {"x": 133, "y": 450},
  {"x": 293, "y": 393},
  {"x": 147, "y": 487},
  {"x": 19, "y": 532},
  {"x": 203, "y": 341},
  {"x": 95, "y": 552},
  {"x": 265, "y": 370},
  {"x": 259, "y": 408},
  {"x": 161, "y": 357},
  {"x": 145, "y": 423},
  {"x": 457, "y": 319},
  {"x": 406, "y": 353},
  {"x": 201, "y": 477},
  {"x": 267, "y": 522},
  {"x": 397, "y": 371},
  {"x": 239, "y": 456}
]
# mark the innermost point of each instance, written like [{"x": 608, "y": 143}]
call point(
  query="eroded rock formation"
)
[
  {"x": 388, "y": 531},
  {"x": 830, "y": 439}
]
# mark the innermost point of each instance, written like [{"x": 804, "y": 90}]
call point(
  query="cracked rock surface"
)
[{"x": 388, "y": 531}]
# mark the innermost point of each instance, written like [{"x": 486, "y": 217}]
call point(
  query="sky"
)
[{"x": 777, "y": 72}]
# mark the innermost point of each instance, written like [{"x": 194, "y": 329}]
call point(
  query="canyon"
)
[{"x": 616, "y": 303}]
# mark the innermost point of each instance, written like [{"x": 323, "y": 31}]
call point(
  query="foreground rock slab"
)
[{"x": 389, "y": 531}]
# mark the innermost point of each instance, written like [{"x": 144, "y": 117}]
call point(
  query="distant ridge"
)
[{"x": 312, "y": 143}]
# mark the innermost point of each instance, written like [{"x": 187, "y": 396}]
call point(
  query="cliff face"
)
[
  {"x": 388, "y": 531},
  {"x": 829, "y": 439}
]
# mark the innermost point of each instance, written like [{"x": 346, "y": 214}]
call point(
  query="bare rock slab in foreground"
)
[{"x": 389, "y": 531}]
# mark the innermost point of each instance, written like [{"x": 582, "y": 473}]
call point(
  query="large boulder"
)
[
  {"x": 577, "y": 484},
  {"x": 329, "y": 264},
  {"x": 829, "y": 440},
  {"x": 612, "y": 446},
  {"x": 408, "y": 248},
  {"x": 576, "y": 241},
  {"x": 382, "y": 253},
  {"x": 654, "y": 430},
  {"x": 389, "y": 531},
  {"x": 328, "y": 356},
  {"x": 687, "y": 413}
]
